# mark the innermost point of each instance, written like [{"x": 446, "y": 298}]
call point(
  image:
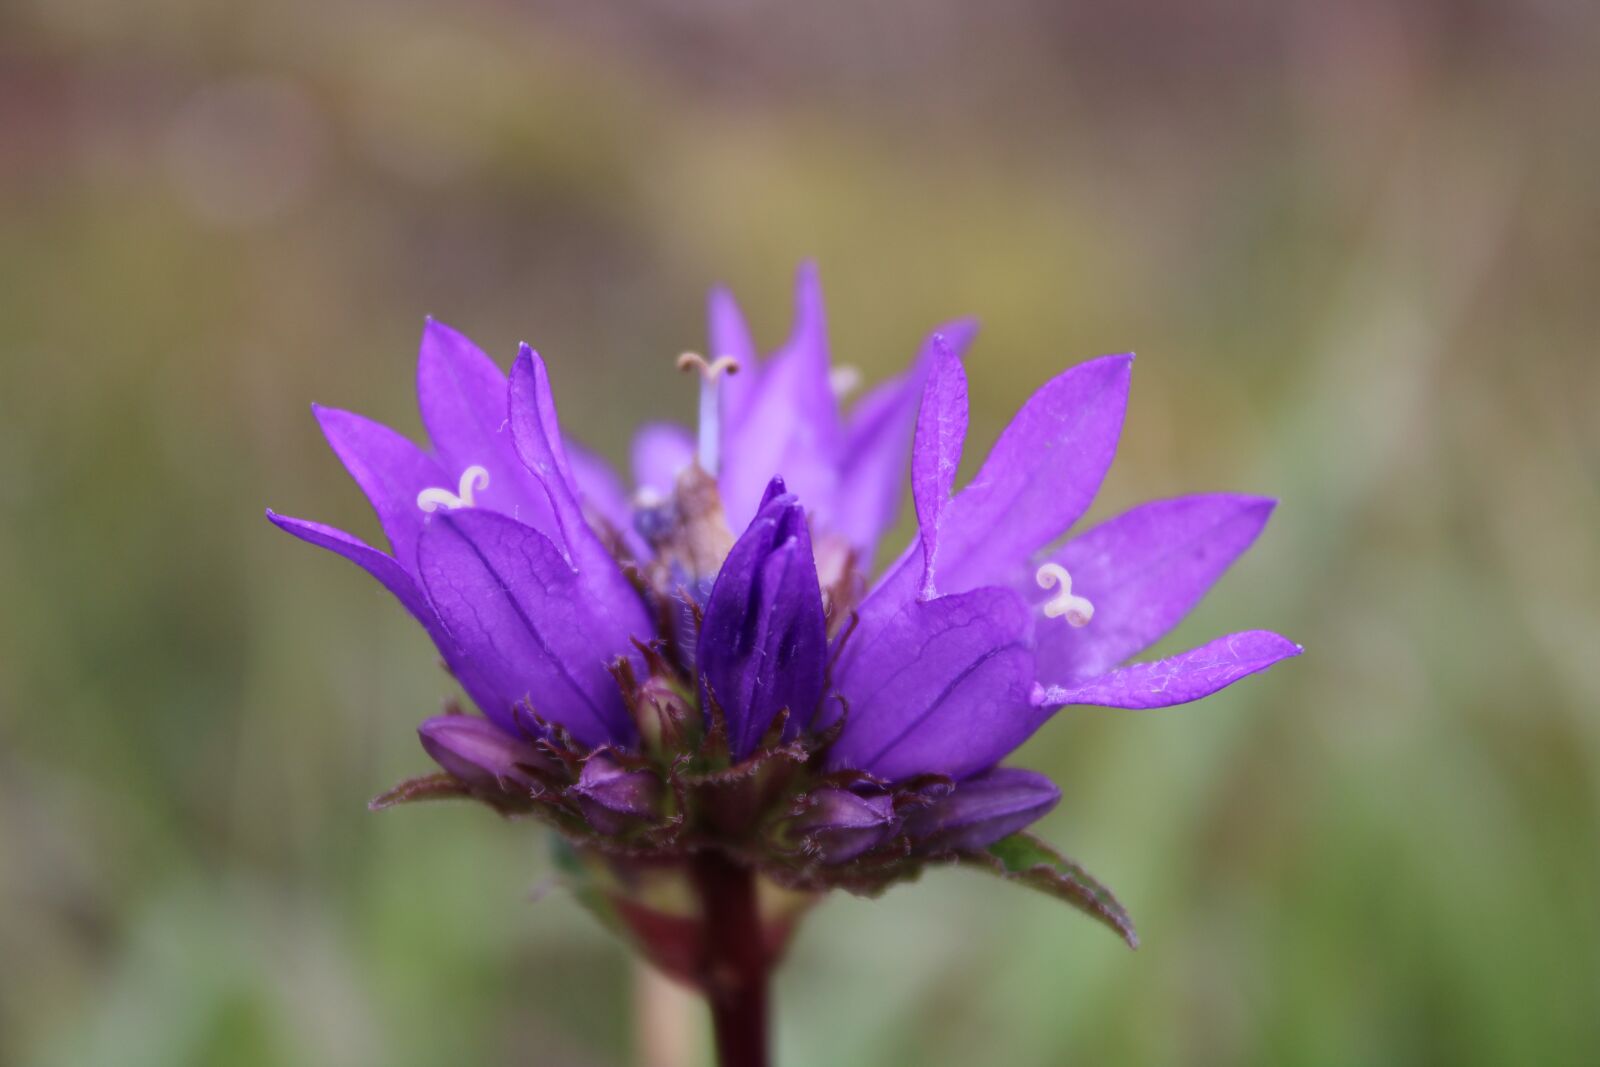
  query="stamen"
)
[
  {"x": 706, "y": 445},
  {"x": 844, "y": 380},
  {"x": 1075, "y": 609},
  {"x": 474, "y": 479}
]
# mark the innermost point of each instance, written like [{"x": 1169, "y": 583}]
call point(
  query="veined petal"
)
[
  {"x": 403, "y": 586},
  {"x": 661, "y": 450},
  {"x": 763, "y": 644},
  {"x": 982, "y": 810},
  {"x": 390, "y": 470},
  {"x": 524, "y": 618},
  {"x": 791, "y": 428},
  {"x": 1040, "y": 477},
  {"x": 936, "y": 452},
  {"x": 878, "y": 433},
  {"x": 1176, "y": 679},
  {"x": 1144, "y": 571},
  {"x": 937, "y": 686},
  {"x": 464, "y": 402}
]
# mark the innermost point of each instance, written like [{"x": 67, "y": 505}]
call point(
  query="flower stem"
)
[{"x": 735, "y": 961}]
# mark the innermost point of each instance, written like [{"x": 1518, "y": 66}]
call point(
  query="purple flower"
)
[{"x": 702, "y": 663}]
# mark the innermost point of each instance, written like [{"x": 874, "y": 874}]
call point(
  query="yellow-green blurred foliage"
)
[{"x": 1354, "y": 244}]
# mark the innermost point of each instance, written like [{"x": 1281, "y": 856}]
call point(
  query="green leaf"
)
[{"x": 1024, "y": 858}]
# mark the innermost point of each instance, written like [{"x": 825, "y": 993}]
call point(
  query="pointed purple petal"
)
[
  {"x": 763, "y": 644},
  {"x": 729, "y": 336},
  {"x": 982, "y": 810},
  {"x": 464, "y": 402},
  {"x": 937, "y": 687},
  {"x": 1177, "y": 679},
  {"x": 792, "y": 428},
  {"x": 479, "y": 753},
  {"x": 390, "y": 470},
  {"x": 1144, "y": 571},
  {"x": 841, "y": 825},
  {"x": 524, "y": 618},
  {"x": 936, "y": 452},
  {"x": 878, "y": 437},
  {"x": 400, "y": 583},
  {"x": 661, "y": 450},
  {"x": 1038, "y": 479}
]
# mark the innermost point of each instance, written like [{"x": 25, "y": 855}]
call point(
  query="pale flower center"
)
[
  {"x": 1075, "y": 609},
  {"x": 474, "y": 479}
]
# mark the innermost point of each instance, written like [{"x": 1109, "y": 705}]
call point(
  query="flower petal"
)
[
  {"x": 1144, "y": 571},
  {"x": 937, "y": 687},
  {"x": 463, "y": 397},
  {"x": 403, "y": 586},
  {"x": 527, "y": 621},
  {"x": 1040, "y": 477},
  {"x": 878, "y": 435},
  {"x": 601, "y": 493},
  {"x": 390, "y": 470},
  {"x": 1177, "y": 679},
  {"x": 729, "y": 336},
  {"x": 791, "y": 428},
  {"x": 661, "y": 450},
  {"x": 936, "y": 452},
  {"x": 763, "y": 644},
  {"x": 982, "y": 810}
]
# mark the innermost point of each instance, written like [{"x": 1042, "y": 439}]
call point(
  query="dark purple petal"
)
[
  {"x": 842, "y": 825},
  {"x": 936, "y": 452},
  {"x": 937, "y": 687},
  {"x": 661, "y": 450},
  {"x": 982, "y": 810},
  {"x": 763, "y": 644},
  {"x": 463, "y": 397},
  {"x": 1143, "y": 571},
  {"x": 791, "y": 427},
  {"x": 1177, "y": 679},
  {"x": 400, "y": 583},
  {"x": 613, "y": 797},
  {"x": 527, "y": 621},
  {"x": 390, "y": 470},
  {"x": 479, "y": 753},
  {"x": 878, "y": 435},
  {"x": 1039, "y": 478}
]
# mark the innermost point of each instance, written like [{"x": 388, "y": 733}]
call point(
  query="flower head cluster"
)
[{"x": 703, "y": 662}]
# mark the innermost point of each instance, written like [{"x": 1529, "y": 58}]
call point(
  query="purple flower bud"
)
[
  {"x": 481, "y": 755},
  {"x": 843, "y": 825},
  {"x": 982, "y": 810},
  {"x": 614, "y": 798}
]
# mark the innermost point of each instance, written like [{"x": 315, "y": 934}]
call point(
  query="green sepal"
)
[{"x": 1025, "y": 859}]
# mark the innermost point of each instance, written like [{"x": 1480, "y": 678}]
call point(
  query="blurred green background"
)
[{"x": 1354, "y": 244}]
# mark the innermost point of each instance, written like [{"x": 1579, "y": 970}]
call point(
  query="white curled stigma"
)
[
  {"x": 710, "y": 373},
  {"x": 474, "y": 479},
  {"x": 1075, "y": 609}
]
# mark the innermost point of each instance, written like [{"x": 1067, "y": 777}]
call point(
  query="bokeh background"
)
[{"x": 1355, "y": 245}]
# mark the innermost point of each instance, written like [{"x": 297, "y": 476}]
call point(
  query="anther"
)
[
  {"x": 474, "y": 479},
  {"x": 1075, "y": 609},
  {"x": 711, "y": 371}
]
